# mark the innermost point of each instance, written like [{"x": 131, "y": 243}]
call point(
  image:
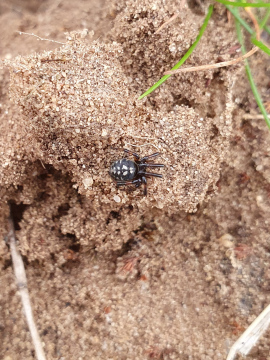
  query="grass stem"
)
[
  {"x": 250, "y": 77},
  {"x": 244, "y": 4}
]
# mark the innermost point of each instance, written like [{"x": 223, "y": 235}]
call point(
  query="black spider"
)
[{"x": 128, "y": 172}]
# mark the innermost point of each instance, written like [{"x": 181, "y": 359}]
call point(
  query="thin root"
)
[
  {"x": 39, "y": 38},
  {"x": 167, "y": 22}
]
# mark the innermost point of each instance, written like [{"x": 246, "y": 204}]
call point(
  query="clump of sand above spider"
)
[
  {"x": 76, "y": 109},
  {"x": 79, "y": 113}
]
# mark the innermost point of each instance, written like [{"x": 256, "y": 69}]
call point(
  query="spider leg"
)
[
  {"x": 137, "y": 182},
  {"x": 132, "y": 153},
  {"x": 145, "y": 158},
  {"x": 151, "y": 165},
  {"x": 144, "y": 181},
  {"x": 147, "y": 174}
]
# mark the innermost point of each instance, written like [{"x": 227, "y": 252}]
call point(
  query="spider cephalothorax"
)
[{"x": 128, "y": 172}]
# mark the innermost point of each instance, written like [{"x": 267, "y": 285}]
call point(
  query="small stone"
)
[
  {"x": 116, "y": 198},
  {"x": 226, "y": 240},
  {"x": 87, "y": 182}
]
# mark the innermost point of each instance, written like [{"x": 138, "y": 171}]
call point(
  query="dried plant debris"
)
[
  {"x": 21, "y": 280},
  {"x": 78, "y": 114}
]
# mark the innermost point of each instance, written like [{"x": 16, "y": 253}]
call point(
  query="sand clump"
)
[{"x": 77, "y": 113}]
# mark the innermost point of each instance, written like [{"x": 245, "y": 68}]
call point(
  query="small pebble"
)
[
  {"x": 226, "y": 240},
  {"x": 87, "y": 182},
  {"x": 117, "y": 199}
]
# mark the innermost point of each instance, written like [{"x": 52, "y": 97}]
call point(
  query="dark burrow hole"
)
[
  {"x": 142, "y": 15},
  {"x": 196, "y": 6},
  {"x": 62, "y": 211},
  {"x": 113, "y": 215},
  {"x": 43, "y": 196},
  {"x": 17, "y": 211},
  {"x": 75, "y": 246},
  {"x": 127, "y": 247},
  {"x": 50, "y": 171},
  {"x": 214, "y": 132},
  {"x": 26, "y": 262},
  {"x": 7, "y": 264},
  {"x": 178, "y": 100},
  {"x": 248, "y": 130}
]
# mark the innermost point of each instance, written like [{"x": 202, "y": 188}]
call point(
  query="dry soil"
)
[{"x": 179, "y": 274}]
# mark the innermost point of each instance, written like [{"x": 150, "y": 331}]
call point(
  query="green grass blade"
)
[
  {"x": 261, "y": 45},
  {"x": 250, "y": 77},
  {"x": 238, "y": 17},
  {"x": 267, "y": 29},
  {"x": 185, "y": 57},
  {"x": 243, "y": 4},
  {"x": 257, "y": 95},
  {"x": 265, "y": 19},
  {"x": 245, "y": 24}
]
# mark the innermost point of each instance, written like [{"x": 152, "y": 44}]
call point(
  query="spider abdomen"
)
[{"x": 124, "y": 170}]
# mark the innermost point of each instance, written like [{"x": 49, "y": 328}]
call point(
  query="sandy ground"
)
[{"x": 179, "y": 274}]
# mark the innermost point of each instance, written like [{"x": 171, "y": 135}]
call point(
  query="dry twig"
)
[
  {"x": 255, "y": 23},
  {"x": 167, "y": 22},
  {"x": 250, "y": 337},
  {"x": 213, "y": 66},
  {"x": 253, "y": 117},
  {"x": 22, "y": 286}
]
